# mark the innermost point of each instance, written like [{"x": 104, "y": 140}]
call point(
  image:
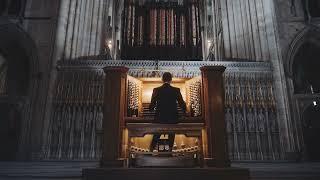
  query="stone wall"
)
[
  {"x": 251, "y": 113},
  {"x": 293, "y": 27},
  {"x": 243, "y": 27},
  {"x": 83, "y": 27},
  {"x": 250, "y": 33},
  {"x": 241, "y": 30}
]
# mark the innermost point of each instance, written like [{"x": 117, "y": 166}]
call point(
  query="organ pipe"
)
[{"x": 161, "y": 24}]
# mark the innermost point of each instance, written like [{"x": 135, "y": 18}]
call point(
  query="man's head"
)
[{"x": 166, "y": 77}]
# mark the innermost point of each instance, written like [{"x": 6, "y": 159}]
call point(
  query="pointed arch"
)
[
  {"x": 310, "y": 34},
  {"x": 17, "y": 44},
  {"x": 301, "y": 64},
  {"x": 21, "y": 55}
]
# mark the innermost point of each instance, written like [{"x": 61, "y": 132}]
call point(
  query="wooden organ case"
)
[
  {"x": 128, "y": 124},
  {"x": 157, "y": 29},
  {"x": 126, "y": 127},
  {"x": 187, "y": 149}
]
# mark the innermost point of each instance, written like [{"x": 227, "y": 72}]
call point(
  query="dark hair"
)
[{"x": 166, "y": 77}]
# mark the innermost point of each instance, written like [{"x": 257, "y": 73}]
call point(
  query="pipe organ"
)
[
  {"x": 120, "y": 132},
  {"x": 188, "y": 137},
  {"x": 193, "y": 87},
  {"x": 252, "y": 121},
  {"x": 161, "y": 29},
  {"x": 140, "y": 90},
  {"x": 134, "y": 87}
]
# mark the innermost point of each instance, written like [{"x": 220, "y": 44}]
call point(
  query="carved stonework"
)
[
  {"x": 183, "y": 69},
  {"x": 78, "y": 100}
]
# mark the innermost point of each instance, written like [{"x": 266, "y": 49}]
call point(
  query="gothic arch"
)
[
  {"x": 15, "y": 42},
  {"x": 309, "y": 34},
  {"x": 300, "y": 98},
  {"x": 298, "y": 56},
  {"x": 21, "y": 55}
]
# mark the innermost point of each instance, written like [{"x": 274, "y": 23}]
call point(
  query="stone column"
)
[
  {"x": 113, "y": 114},
  {"x": 213, "y": 110}
]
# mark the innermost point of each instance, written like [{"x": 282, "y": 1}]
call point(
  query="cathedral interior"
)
[{"x": 53, "y": 82}]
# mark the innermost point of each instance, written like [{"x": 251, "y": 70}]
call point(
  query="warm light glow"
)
[
  {"x": 124, "y": 142},
  {"x": 314, "y": 103},
  {"x": 158, "y": 79},
  {"x": 181, "y": 141},
  {"x": 147, "y": 94},
  {"x": 109, "y": 44},
  {"x": 149, "y": 86},
  {"x": 209, "y": 43}
]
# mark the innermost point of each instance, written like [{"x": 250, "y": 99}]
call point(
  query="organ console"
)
[
  {"x": 197, "y": 144},
  {"x": 139, "y": 120},
  {"x": 128, "y": 123}
]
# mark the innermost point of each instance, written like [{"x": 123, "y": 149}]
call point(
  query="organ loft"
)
[{"x": 77, "y": 78}]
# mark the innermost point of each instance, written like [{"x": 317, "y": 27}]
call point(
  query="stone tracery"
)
[{"x": 250, "y": 109}]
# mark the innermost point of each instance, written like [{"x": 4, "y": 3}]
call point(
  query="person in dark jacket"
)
[{"x": 165, "y": 100}]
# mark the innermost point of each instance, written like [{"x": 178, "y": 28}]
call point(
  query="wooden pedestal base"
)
[{"x": 166, "y": 173}]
